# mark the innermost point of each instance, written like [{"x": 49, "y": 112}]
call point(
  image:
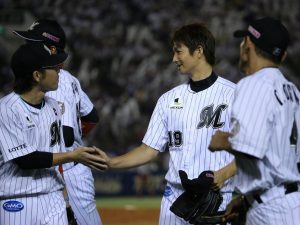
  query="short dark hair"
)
[
  {"x": 266, "y": 55},
  {"x": 195, "y": 35},
  {"x": 26, "y": 82}
]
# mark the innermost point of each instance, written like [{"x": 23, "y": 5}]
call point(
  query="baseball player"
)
[
  {"x": 77, "y": 110},
  {"x": 265, "y": 131},
  {"x": 31, "y": 142},
  {"x": 185, "y": 118}
]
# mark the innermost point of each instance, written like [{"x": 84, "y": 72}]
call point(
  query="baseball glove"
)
[
  {"x": 198, "y": 204},
  {"x": 70, "y": 215}
]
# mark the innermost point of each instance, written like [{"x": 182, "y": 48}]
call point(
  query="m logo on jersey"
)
[
  {"x": 176, "y": 104},
  {"x": 54, "y": 134},
  {"x": 209, "y": 117}
]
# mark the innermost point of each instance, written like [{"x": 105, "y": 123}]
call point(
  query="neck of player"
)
[
  {"x": 201, "y": 72},
  {"x": 34, "y": 97}
]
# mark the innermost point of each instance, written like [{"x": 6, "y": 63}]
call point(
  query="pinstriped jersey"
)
[
  {"x": 186, "y": 120},
  {"x": 25, "y": 129},
  {"x": 74, "y": 104},
  {"x": 265, "y": 114}
]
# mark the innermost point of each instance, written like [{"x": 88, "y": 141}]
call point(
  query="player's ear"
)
[
  {"x": 37, "y": 75},
  {"x": 283, "y": 57},
  {"x": 199, "y": 51},
  {"x": 53, "y": 50}
]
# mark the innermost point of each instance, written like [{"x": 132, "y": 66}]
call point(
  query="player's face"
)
[
  {"x": 185, "y": 62},
  {"x": 244, "y": 56},
  {"x": 49, "y": 79}
]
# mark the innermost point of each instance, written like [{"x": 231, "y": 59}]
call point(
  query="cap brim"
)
[
  {"x": 27, "y": 35},
  {"x": 240, "y": 33},
  {"x": 56, "y": 60}
]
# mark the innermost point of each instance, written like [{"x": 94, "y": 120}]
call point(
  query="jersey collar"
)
[{"x": 201, "y": 85}]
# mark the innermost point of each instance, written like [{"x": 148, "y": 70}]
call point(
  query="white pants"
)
[
  {"x": 45, "y": 209},
  {"x": 81, "y": 191},
  {"x": 282, "y": 210},
  {"x": 167, "y": 217}
]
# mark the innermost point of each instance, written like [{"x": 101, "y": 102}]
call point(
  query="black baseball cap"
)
[
  {"x": 44, "y": 30},
  {"x": 34, "y": 56},
  {"x": 268, "y": 34}
]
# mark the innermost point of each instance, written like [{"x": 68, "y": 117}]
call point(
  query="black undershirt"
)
[
  {"x": 201, "y": 85},
  {"x": 37, "y": 106}
]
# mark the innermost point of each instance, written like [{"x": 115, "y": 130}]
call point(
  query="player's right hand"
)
[
  {"x": 90, "y": 157},
  {"x": 233, "y": 209},
  {"x": 102, "y": 154}
]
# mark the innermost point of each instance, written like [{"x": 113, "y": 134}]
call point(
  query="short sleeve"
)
[
  {"x": 157, "y": 134},
  {"x": 86, "y": 105},
  {"x": 13, "y": 141},
  {"x": 251, "y": 118}
]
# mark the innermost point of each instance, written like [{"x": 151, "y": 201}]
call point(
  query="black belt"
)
[{"x": 289, "y": 188}]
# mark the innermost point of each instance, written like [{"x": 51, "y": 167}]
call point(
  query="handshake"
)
[{"x": 92, "y": 157}]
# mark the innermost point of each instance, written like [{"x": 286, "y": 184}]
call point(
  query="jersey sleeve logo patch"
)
[
  {"x": 62, "y": 107},
  {"x": 13, "y": 206},
  {"x": 235, "y": 126},
  {"x": 17, "y": 148},
  {"x": 176, "y": 104}
]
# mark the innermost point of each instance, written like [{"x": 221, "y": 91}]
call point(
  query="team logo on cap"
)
[
  {"x": 254, "y": 32},
  {"x": 276, "y": 51},
  {"x": 51, "y": 37}
]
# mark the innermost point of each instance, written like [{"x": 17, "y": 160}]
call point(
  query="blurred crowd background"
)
[{"x": 120, "y": 50}]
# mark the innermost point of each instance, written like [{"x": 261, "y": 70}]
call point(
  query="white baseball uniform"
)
[
  {"x": 265, "y": 108},
  {"x": 79, "y": 179},
  {"x": 186, "y": 120},
  {"x": 29, "y": 196}
]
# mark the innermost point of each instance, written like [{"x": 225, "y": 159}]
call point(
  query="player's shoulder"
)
[
  {"x": 265, "y": 78},
  {"x": 50, "y": 100},
  {"x": 9, "y": 100},
  {"x": 178, "y": 90},
  {"x": 225, "y": 83},
  {"x": 9, "y": 104},
  {"x": 66, "y": 76}
]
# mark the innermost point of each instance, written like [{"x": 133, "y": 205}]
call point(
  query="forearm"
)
[
  {"x": 136, "y": 157},
  {"x": 220, "y": 141},
  {"x": 42, "y": 160},
  {"x": 229, "y": 170},
  {"x": 64, "y": 157}
]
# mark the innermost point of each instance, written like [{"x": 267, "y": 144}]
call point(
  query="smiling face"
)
[{"x": 185, "y": 61}]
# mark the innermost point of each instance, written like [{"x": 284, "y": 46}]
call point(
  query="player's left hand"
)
[{"x": 219, "y": 180}]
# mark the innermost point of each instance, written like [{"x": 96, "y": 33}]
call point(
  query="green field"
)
[{"x": 127, "y": 202}]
